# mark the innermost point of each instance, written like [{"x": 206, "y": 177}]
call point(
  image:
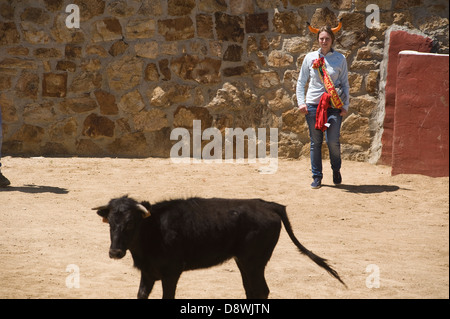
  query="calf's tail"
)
[{"x": 281, "y": 211}]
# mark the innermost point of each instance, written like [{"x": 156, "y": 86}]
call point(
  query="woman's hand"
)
[
  {"x": 303, "y": 109},
  {"x": 343, "y": 112}
]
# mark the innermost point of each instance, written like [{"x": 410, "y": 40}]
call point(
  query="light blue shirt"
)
[{"x": 336, "y": 65}]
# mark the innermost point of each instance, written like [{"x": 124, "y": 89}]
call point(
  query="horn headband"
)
[{"x": 315, "y": 30}]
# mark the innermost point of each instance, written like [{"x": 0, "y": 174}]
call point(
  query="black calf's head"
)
[{"x": 124, "y": 216}]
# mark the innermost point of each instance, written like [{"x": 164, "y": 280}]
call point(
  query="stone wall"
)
[{"x": 135, "y": 70}]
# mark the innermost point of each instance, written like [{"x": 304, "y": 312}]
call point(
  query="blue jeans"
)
[{"x": 332, "y": 135}]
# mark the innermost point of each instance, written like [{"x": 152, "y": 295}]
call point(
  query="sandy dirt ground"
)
[{"x": 387, "y": 236}]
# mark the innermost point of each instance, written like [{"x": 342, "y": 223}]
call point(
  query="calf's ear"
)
[{"x": 102, "y": 211}]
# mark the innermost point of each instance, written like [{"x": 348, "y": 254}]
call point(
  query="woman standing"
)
[{"x": 326, "y": 102}]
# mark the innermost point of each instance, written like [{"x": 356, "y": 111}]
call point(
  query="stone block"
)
[
  {"x": 177, "y": 29},
  {"x": 8, "y": 33},
  {"x": 257, "y": 23},
  {"x": 229, "y": 28},
  {"x": 125, "y": 73},
  {"x": 96, "y": 126},
  {"x": 108, "y": 29},
  {"x": 54, "y": 85},
  {"x": 141, "y": 29}
]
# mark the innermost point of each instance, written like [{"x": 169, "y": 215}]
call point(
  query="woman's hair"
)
[{"x": 328, "y": 30}]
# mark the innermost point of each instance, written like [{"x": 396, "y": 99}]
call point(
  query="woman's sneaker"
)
[
  {"x": 317, "y": 183},
  {"x": 4, "y": 181},
  {"x": 337, "y": 178}
]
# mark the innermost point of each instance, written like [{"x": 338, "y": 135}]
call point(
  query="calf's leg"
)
[
  {"x": 169, "y": 285},
  {"x": 145, "y": 287}
]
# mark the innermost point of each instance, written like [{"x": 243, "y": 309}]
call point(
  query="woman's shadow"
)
[
  {"x": 35, "y": 189},
  {"x": 366, "y": 189}
]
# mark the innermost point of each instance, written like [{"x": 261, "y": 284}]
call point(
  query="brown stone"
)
[
  {"x": 19, "y": 50},
  {"x": 62, "y": 34},
  {"x": 297, "y": 45},
  {"x": 125, "y": 73},
  {"x": 149, "y": 121},
  {"x": 266, "y": 80},
  {"x": 133, "y": 144},
  {"x": 233, "y": 53},
  {"x": 279, "y": 100},
  {"x": 294, "y": 121},
  {"x": 180, "y": 7},
  {"x": 279, "y": 59},
  {"x": 118, "y": 48},
  {"x": 141, "y": 28},
  {"x": 17, "y": 63},
  {"x": 168, "y": 94},
  {"x": 66, "y": 66},
  {"x": 184, "y": 117},
  {"x": 323, "y": 17},
  {"x": 73, "y": 51},
  {"x": 147, "y": 50},
  {"x": 372, "y": 82},
  {"x": 8, "y": 109},
  {"x": 165, "y": 70},
  {"x": 364, "y": 105},
  {"x": 151, "y": 72},
  {"x": 355, "y": 81},
  {"x": 63, "y": 130},
  {"x": 205, "y": 26},
  {"x": 5, "y": 81},
  {"x": 35, "y": 15},
  {"x": 107, "y": 29},
  {"x": 86, "y": 82},
  {"x": 91, "y": 65},
  {"x": 87, "y": 147},
  {"x": 159, "y": 143},
  {"x": 33, "y": 33},
  {"x": 120, "y": 9},
  {"x": 39, "y": 113},
  {"x": 90, "y": 8},
  {"x": 54, "y": 84},
  {"x": 352, "y": 21},
  {"x": 233, "y": 97},
  {"x": 97, "y": 126},
  {"x": 97, "y": 50},
  {"x": 29, "y": 134},
  {"x": 248, "y": 68},
  {"x": 107, "y": 102},
  {"x": 78, "y": 105},
  {"x": 287, "y": 22},
  {"x": 229, "y": 28},
  {"x": 176, "y": 29},
  {"x": 151, "y": 7},
  {"x": 203, "y": 71},
  {"x": 8, "y": 33},
  {"x": 7, "y": 11},
  {"x": 132, "y": 102},
  {"x": 257, "y": 23},
  {"x": 355, "y": 130},
  {"x": 238, "y": 7},
  {"x": 28, "y": 85},
  {"x": 212, "y": 5}
]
